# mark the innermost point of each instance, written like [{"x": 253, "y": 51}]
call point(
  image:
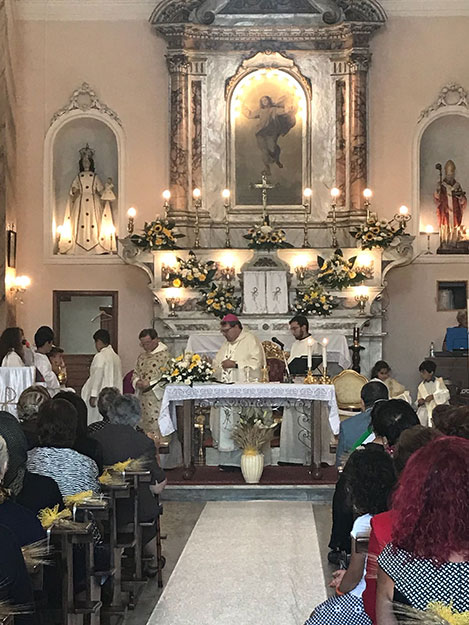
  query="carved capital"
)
[
  {"x": 359, "y": 62},
  {"x": 177, "y": 63}
]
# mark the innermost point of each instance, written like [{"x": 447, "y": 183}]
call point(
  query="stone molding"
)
[{"x": 84, "y": 99}]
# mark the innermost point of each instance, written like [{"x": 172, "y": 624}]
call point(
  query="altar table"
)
[
  {"x": 208, "y": 343},
  {"x": 273, "y": 395}
]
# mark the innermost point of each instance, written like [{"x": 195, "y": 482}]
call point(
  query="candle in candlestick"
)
[
  {"x": 324, "y": 342},
  {"x": 310, "y": 352},
  {"x": 131, "y": 213}
]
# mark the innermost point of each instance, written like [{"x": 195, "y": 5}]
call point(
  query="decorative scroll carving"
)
[
  {"x": 85, "y": 99},
  {"x": 452, "y": 94}
]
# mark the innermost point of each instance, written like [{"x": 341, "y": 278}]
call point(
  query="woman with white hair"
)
[{"x": 120, "y": 440}]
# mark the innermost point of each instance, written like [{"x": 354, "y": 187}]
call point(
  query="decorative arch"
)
[
  {"x": 452, "y": 100},
  {"x": 83, "y": 106}
]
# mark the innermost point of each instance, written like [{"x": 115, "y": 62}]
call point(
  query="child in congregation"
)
[{"x": 432, "y": 391}]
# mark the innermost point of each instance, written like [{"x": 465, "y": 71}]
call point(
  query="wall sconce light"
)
[
  {"x": 131, "y": 213},
  {"x": 365, "y": 264},
  {"x": 362, "y": 296},
  {"x": 226, "y": 205},
  {"x": 173, "y": 299},
  {"x": 19, "y": 286}
]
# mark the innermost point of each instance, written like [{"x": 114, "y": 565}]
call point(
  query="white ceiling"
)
[{"x": 117, "y": 10}]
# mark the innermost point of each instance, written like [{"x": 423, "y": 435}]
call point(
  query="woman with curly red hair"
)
[{"x": 428, "y": 558}]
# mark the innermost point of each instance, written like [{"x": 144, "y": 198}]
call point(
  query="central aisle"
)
[{"x": 246, "y": 563}]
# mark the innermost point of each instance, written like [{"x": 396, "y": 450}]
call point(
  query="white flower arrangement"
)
[
  {"x": 314, "y": 300},
  {"x": 187, "y": 369},
  {"x": 192, "y": 272}
]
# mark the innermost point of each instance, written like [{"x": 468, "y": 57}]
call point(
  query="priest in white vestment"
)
[
  {"x": 295, "y": 439},
  {"x": 105, "y": 370},
  {"x": 432, "y": 391},
  {"x": 240, "y": 359}
]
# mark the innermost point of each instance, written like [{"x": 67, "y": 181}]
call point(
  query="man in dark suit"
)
[
  {"x": 349, "y": 434},
  {"x": 352, "y": 428}
]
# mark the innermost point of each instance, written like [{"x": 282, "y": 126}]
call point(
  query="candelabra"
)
[
  {"x": 310, "y": 378},
  {"x": 173, "y": 300},
  {"x": 365, "y": 265},
  {"x": 199, "y": 424},
  {"x": 131, "y": 213},
  {"x": 335, "y": 192},
  {"x": 403, "y": 217},
  {"x": 226, "y": 204},
  {"x": 166, "y": 204},
  {"x": 324, "y": 378},
  {"x": 307, "y": 193},
  {"x": 356, "y": 348},
  {"x": 196, "y": 194},
  {"x": 227, "y": 273},
  {"x": 362, "y": 298},
  {"x": 300, "y": 274}
]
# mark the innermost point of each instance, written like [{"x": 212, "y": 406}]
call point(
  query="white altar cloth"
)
[
  {"x": 208, "y": 343},
  {"x": 176, "y": 393},
  {"x": 13, "y": 381}
]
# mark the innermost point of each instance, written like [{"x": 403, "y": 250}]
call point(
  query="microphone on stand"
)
[
  {"x": 279, "y": 343},
  {"x": 282, "y": 347}
]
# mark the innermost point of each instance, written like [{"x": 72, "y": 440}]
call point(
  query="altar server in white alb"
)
[
  {"x": 44, "y": 341},
  {"x": 105, "y": 370},
  {"x": 295, "y": 433},
  {"x": 241, "y": 358},
  {"x": 432, "y": 392}
]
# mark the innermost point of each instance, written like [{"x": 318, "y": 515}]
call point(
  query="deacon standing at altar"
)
[
  {"x": 240, "y": 359},
  {"x": 295, "y": 439},
  {"x": 145, "y": 378},
  {"x": 105, "y": 370}
]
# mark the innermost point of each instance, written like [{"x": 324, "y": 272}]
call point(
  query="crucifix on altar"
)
[{"x": 264, "y": 186}]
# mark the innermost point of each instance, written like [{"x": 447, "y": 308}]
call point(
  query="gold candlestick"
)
[
  {"x": 367, "y": 193},
  {"x": 310, "y": 378},
  {"x": 226, "y": 204},
  {"x": 265, "y": 375},
  {"x": 335, "y": 192},
  {"x": 196, "y": 194},
  {"x": 166, "y": 204},
  {"x": 307, "y": 193},
  {"x": 131, "y": 213}
]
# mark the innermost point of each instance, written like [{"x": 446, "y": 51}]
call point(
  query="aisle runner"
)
[{"x": 246, "y": 563}]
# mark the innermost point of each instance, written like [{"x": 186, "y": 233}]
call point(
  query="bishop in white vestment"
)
[
  {"x": 240, "y": 359},
  {"x": 105, "y": 370}
]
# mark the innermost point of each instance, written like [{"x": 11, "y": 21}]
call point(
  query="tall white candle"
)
[
  {"x": 324, "y": 342},
  {"x": 310, "y": 352}
]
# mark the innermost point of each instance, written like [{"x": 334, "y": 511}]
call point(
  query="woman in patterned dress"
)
[
  {"x": 428, "y": 558},
  {"x": 371, "y": 478}
]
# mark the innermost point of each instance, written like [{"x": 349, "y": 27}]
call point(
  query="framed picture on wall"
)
[{"x": 11, "y": 248}]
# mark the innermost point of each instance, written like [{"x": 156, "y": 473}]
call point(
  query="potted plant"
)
[{"x": 251, "y": 433}]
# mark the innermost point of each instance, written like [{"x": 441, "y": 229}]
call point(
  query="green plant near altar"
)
[
  {"x": 192, "y": 273},
  {"x": 159, "y": 234},
  {"x": 314, "y": 299},
  {"x": 266, "y": 236},
  {"x": 186, "y": 369},
  {"x": 254, "y": 429},
  {"x": 339, "y": 273},
  {"x": 376, "y": 233},
  {"x": 220, "y": 300}
]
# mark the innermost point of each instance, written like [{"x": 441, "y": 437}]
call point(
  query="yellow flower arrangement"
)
[
  {"x": 175, "y": 372},
  {"x": 157, "y": 235},
  {"x": 192, "y": 272},
  {"x": 187, "y": 369},
  {"x": 177, "y": 283},
  {"x": 219, "y": 300},
  {"x": 265, "y": 236}
]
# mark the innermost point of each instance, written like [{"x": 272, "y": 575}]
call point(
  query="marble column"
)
[
  {"x": 341, "y": 141},
  {"x": 358, "y": 67},
  {"x": 196, "y": 133},
  {"x": 178, "y": 66}
]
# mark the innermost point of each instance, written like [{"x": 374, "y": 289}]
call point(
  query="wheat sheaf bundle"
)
[
  {"x": 36, "y": 554},
  {"x": 113, "y": 475},
  {"x": 53, "y": 516},
  {"x": 85, "y": 497},
  {"x": 437, "y": 613}
]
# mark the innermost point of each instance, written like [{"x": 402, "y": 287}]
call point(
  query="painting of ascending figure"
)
[{"x": 269, "y": 111}]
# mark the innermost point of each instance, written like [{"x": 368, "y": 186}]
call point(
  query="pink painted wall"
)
[
  {"x": 124, "y": 63},
  {"x": 412, "y": 59}
]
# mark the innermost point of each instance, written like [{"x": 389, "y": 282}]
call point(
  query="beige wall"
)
[{"x": 412, "y": 59}]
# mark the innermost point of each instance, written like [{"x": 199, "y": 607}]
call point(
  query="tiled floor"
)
[{"x": 282, "y": 539}]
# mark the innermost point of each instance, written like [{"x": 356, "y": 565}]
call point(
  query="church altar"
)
[{"x": 313, "y": 396}]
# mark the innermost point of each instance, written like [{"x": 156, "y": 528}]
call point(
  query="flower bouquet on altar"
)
[
  {"x": 314, "y": 300},
  {"x": 377, "y": 233},
  {"x": 191, "y": 273},
  {"x": 186, "y": 369},
  {"x": 338, "y": 273},
  {"x": 220, "y": 300},
  {"x": 266, "y": 237},
  {"x": 159, "y": 234}
]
